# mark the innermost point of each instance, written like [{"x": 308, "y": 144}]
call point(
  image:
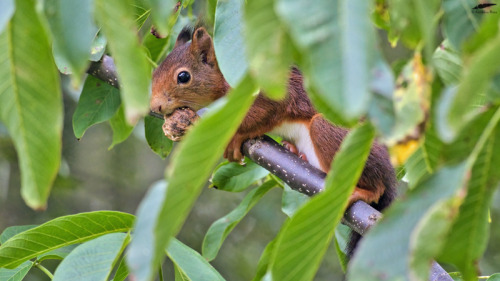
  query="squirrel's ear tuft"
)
[
  {"x": 184, "y": 36},
  {"x": 202, "y": 46}
]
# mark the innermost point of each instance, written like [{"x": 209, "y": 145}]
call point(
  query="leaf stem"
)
[{"x": 45, "y": 270}]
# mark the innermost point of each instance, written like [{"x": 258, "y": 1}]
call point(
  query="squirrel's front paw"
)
[{"x": 233, "y": 150}]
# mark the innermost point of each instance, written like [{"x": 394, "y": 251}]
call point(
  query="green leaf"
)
[
  {"x": 155, "y": 136},
  {"x": 16, "y": 274},
  {"x": 448, "y": 63},
  {"x": 189, "y": 170},
  {"x": 121, "y": 129},
  {"x": 190, "y": 263},
  {"x": 264, "y": 261},
  {"x": 73, "y": 31},
  {"x": 487, "y": 31},
  {"x": 477, "y": 75},
  {"x": 57, "y": 254},
  {"x": 31, "y": 102},
  {"x": 228, "y": 40},
  {"x": 60, "y": 232},
  {"x": 98, "y": 102},
  {"x": 341, "y": 77},
  {"x": 386, "y": 248},
  {"x": 134, "y": 72},
  {"x": 468, "y": 236},
  {"x": 434, "y": 226},
  {"x": 139, "y": 256},
  {"x": 13, "y": 230},
  {"x": 221, "y": 228},
  {"x": 268, "y": 48},
  {"x": 93, "y": 260},
  {"x": 303, "y": 240},
  {"x": 161, "y": 11},
  {"x": 416, "y": 167},
  {"x": 6, "y": 13},
  {"x": 381, "y": 109},
  {"x": 292, "y": 200},
  {"x": 234, "y": 177},
  {"x": 494, "y": 277},
  {"x": 98, "y": 47},
  {"x": 459, "y": 21},
  {"x": 121, "y": 272}
]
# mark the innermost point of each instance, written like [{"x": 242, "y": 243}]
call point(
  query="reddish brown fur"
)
[{"x": 377, "y": 183}]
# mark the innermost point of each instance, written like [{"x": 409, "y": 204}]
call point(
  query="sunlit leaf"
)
[
  {"x": 61, "y": 232},
  {"x": 221, "y": 228},
  {"x": 31, "y": 102}
]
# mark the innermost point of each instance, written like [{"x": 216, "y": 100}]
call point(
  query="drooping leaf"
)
[
  {"x": 231, "y": 176},
  {"x": 121, "y": 129},
  {"x": 98, "y": 102},
  {"x": 61, "y": 232},
  {"x": 191, "y": 165},
  {"x": 476, "y": 78},
  {"x": 434, "y": 226},
  {"x": 221, "y": 228},
  {"x": 8, "y": 8},
  {"x": 384, "y": 252},
  {"x": 155, "y": 136},
  {"x": 31, "y": 102},
  {"x": 16, "y": 274},
  {"x": 190, "y": 263},
  {"x": 468, "y": 236},
  {"x": 459, "y": 21},
  {"x": 134, "y": 72},
  {"x": 161, "y": 11},
  {"x": 229, "y": 42},
  {"x": 341, "y": 78},
  {"x": 92, "y": 260},
  {"x": 304, "y": 239},
  {"x": 73, "y": 31},
  {"x": 268, "y": 47}
]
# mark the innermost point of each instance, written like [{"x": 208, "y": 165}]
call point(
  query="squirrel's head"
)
[{"x": 189, "y": 76}]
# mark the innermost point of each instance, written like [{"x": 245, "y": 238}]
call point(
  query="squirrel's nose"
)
[{"x": 161, "y": 105}]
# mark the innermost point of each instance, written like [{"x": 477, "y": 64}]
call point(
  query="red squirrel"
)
[{"x": 190, "y": 77}]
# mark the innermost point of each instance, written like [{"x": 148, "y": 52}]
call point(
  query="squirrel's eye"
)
[{"x": 183, "y": 77}]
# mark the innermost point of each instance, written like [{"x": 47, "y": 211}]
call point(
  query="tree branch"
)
[{"x": 298, "y": 174}]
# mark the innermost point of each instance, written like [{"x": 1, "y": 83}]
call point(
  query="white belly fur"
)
[{"x": 298, "y": 134}]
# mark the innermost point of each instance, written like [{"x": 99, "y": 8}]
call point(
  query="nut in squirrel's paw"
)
[{"x": 177, "y": 123}]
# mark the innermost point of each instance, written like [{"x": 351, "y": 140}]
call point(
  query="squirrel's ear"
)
[
  {"x": 183, "y": 37},
  {"x": 203, "y": 47}
]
